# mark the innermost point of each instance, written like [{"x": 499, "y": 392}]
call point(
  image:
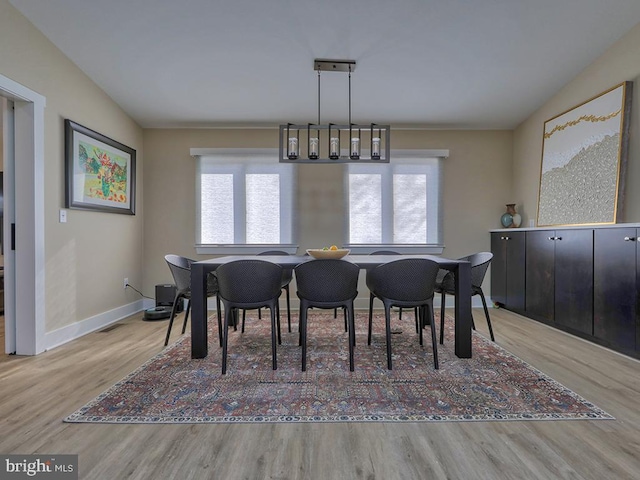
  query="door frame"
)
[{"x": 25, "y": 278}]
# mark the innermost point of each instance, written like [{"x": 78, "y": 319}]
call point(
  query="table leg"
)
[
  {"x": 463, "y": 319},
  {"x": 198, "y": 311}
]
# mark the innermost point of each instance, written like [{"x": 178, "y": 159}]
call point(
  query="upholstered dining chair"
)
[
  {"x": 407, "y": 283},
  {"x": 181, "y": 271},
  {"x": 249, "y": 285},
  {"x": 371, "y": 296},
  {"x": 327, "y": 284},
  {"x": 287, "y": 276},
  {"x": 445, "y": 284}
]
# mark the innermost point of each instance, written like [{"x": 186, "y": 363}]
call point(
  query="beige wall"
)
[
  {"x": 87, "y": 257},
  {"x": 620, "y": 63},
  {"x": 477, "y": 186}
]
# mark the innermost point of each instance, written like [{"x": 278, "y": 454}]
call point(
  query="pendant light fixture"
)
[{"x": 333, "y": 143}]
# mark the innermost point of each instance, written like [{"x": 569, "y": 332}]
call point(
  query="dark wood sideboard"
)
[{"x": 582, "y": 280}]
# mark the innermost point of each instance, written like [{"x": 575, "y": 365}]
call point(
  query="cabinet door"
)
[
  {"x": 515, "y": 271},
  {"x": 540, "y": 274},
  {"x": 574, "y": 280},
  {"x": 498, "y": 268},
  {"x": 615, "y": 296}
]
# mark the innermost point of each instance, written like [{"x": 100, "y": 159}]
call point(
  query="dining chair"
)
[
  {"x": 408, "y": 283},
  {"x": 327, "y": 284},
  {"x": 446, "y": 280},
  {"x": 371, "y": 296},
  {"x": 181, "y": 271},
  {"x": 287, "y": 276},
  {"x": 249, "y": 285}
]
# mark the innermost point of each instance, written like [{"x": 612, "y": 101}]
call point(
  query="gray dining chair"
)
[
  {"x": 446, "y": 284},
  {"x": 287, "y": 276},
  {"x": 372, "y": 296},
  {"x": 249, "y": 285},
  {"x": 181, "y": 271},
  {"x": 408, "y": 283},
  {"x": 327, "y": 284}
]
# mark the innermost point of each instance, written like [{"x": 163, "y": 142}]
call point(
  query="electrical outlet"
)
[{"x": 126, "y": 283}]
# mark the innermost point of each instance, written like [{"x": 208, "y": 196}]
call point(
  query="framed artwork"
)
[
  {"x": 101, "y": 173},
  {"x": 584, "y": 157}
]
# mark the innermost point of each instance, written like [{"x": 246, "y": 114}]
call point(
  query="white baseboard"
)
[{"x": 76, "y": 330}]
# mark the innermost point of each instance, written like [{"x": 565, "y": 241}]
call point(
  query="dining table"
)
[{"x": 200, "y": 270}]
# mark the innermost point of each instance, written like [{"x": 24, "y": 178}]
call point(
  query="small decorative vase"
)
[{"x": 511, "y": 219}]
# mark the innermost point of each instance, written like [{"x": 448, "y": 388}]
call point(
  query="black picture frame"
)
[{"x": 100, "y": 172}]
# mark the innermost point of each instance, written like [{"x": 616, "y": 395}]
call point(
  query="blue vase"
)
[{"x": 506, "y": 220}]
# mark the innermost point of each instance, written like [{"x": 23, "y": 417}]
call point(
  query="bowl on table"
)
[{"x": 319, "y": 253}]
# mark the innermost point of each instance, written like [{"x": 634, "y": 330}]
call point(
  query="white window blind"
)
[
  {"x": 396, "y": 205},
  {"x": 245, "y": 202}
]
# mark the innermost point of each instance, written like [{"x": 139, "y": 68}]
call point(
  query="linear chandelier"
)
[{"x": 332, "y": 143}]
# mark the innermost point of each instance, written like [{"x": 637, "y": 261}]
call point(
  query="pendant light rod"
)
[{"x": 349, "y": 94}]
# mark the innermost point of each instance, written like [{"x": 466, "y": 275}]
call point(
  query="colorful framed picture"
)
[
  {"x": 101, "y": 173},
  {"x": 584, "y": 158}
]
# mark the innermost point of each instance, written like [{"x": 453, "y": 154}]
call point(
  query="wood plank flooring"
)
[{"x": 36, "y": 393}]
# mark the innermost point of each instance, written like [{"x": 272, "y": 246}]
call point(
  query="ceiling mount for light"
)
[{"x": 318, "y": 143}]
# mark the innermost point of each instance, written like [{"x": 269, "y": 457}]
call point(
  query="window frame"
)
[
  {"x": 239, "y": 162},
  {"x": 399, "y": 158}
]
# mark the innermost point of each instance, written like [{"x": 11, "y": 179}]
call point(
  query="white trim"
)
[
  {"x": 246, "y": 249},
  {"x": 403, "y": 155},
  {"x": 97, "y": 322},
  {"x": 402, "y": 249},
  {"x": 237, "y": 152},
  {"x": 29, "y": 208}
]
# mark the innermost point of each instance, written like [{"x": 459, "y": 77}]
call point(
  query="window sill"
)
[
  {"x": 244, "y": 249},
  {"x": 402, "y": 249}
]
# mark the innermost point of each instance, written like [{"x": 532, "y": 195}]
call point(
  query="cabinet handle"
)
[
  {"x": 630, "y": 239},
  {"x": 558, "y": 238},
  {"x": 551, "y": 238}
]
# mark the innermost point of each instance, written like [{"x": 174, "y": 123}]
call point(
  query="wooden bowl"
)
[{"x": 318, "y": 253}]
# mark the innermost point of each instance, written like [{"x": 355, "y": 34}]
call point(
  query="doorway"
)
[{"x": 23, "y": 172}]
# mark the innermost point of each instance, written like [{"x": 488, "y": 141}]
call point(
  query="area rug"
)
[{"x": 493, "y": 385}]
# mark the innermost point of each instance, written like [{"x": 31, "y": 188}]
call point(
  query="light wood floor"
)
[{"x": 36, "y": 393}]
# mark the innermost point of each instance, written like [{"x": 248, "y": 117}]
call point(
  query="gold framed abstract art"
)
[{"x": 584, "y": 154}]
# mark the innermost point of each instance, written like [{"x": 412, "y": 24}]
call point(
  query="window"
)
[
  {"x": 397, "y": 204},
  {"x": 244, "y": 202}
]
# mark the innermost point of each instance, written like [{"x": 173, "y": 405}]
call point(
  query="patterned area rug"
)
[{"x": 493, "y": 385}]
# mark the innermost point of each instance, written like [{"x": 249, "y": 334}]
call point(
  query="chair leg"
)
[
  {"x": 442, "y": 300},
  {"x": 244, "y": 314},
  {"x": 387, "y": 318},
  {"x": 335, "y": 313},
  {"x": 228, "y": 312},
  {"x": 303, "y": 336},
  {"x": 278, "y": 322},
  {"x": 415, "y": 315},
  {"x": 219, "y": 319},
  {"x": 370, "y": 317},
  {"x": 274, "y": 324},
  {"x": 420, "y": 329},
  {"x": 286, "y": 288},
  {"x": 259, "y": 314},
  {"x": 434, "y": 342},
  {"x": 400, "y": 314},
  {"x": 486, "y": 313},
  {"x": 186, "y": 317},
  {"x": 352, "y": 335},
  {"x": 346, "y": 323},
  {"x": 173, "y": 315}
]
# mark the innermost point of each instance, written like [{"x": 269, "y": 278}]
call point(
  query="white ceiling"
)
[{"x": 435, "y": 63}]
